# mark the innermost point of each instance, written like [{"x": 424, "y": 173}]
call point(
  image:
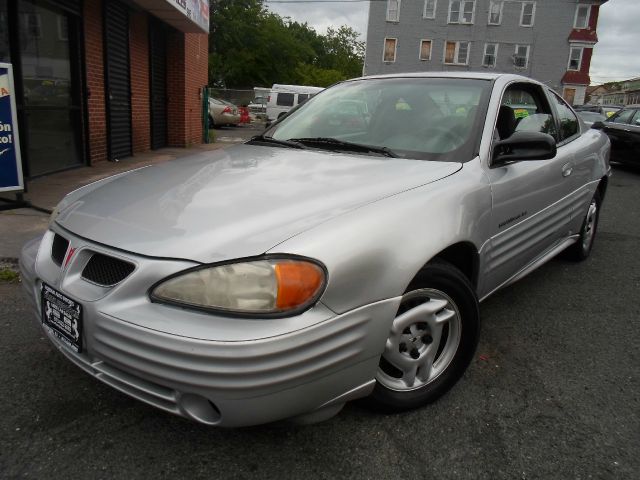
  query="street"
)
[{"x": 553, "y": 392}]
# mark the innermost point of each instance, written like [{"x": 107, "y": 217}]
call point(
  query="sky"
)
[{"x": 615, "y": 57}]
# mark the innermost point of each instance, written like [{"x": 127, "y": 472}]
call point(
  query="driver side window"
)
[{"x": 524, "y": 109}]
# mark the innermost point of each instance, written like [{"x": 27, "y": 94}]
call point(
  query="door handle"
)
[{"x": 567, "y": 169}]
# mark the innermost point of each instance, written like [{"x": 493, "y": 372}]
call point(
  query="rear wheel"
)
[
  {"x": 431, "y": 342},
  {"x": 582, "y": 248}
]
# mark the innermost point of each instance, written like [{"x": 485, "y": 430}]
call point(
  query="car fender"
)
[{"x": 372, "y": 253}]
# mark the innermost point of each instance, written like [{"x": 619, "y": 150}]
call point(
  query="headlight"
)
[{"x": 265, "y": 286}]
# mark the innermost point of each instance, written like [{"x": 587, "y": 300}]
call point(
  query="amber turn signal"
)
[{"x": 298, "y": 282}]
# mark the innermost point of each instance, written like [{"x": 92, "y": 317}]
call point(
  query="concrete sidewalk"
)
[{"x": 21, "y": 225}]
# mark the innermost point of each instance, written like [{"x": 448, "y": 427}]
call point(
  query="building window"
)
[
  {"x": 461, "y": 11},
  {"x": 389, "y": 54},
  {"x": 456, "y": 53},
  {"x": 528, "y": 13},
  {"x": 32, "y": 24},
  {"x": 393, "y": 10},
  {"x": 521, "y": 57},
  {"x": 425, "y": 49},
  {"x": 429, "y": 9},
  {"x": 490, "y": 55},
  {"x": 575, "y": 58},
  {"x": 495, "y": 12},
  {"x": 582, "y": 16}
]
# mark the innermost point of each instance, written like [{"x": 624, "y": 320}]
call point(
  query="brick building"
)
[
  {"x": 549, "y": 40},
  {"x": 104, "y": 79}
]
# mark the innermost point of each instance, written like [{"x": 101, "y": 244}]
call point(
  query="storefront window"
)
[
  {"x": 47, "y": 81},
  {"x": 4, "y": 32}
]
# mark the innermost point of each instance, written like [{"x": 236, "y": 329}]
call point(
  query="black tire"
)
[
  {"x": 581, "y": 250},
  {"x": 442, "y": 277},
  {"x": 212, "y": 124}
]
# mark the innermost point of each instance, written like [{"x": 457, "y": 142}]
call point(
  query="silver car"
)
[{"x": 315, "y": 264}]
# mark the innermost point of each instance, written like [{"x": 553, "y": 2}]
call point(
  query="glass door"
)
[{"x": 48, "y": 42}]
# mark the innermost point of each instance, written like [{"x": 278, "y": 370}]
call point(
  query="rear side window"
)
[
  {"x": 285, "y": 99},
  {"x": 303, "y": 97},
  {"x": 624, "y": 116},
  {"x": 569, "y": 125}
]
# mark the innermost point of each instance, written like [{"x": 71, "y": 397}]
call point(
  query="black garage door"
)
[
  {"x": 118, "y": 87},
  {"x": 158, "y": 82}
]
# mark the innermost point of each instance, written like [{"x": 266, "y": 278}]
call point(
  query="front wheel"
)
[{"x": 431, "y": 342}]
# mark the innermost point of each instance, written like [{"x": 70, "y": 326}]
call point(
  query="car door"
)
[
  {"x": 530, "y": 211},
  {"x": 618, "y": 128},
  {"x": 634, "y": 134}
]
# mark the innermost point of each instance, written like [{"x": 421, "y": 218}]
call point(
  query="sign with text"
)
[
  {"x": 10, "y": 160},
  {"x": 195, "y": 10}
]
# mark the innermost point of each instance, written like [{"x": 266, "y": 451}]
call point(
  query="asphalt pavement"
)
[{"x": 553, "y": 392}]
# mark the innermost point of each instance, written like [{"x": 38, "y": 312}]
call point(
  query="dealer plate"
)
[{"x": 62, "y": 317}]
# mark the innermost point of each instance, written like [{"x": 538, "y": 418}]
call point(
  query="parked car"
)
[
  {"x": 589, "y": 118},
  {"x": 223, "y": 113},
  {"x": 283, "y": 98},
  {"x": 312, "y": 266},
  {"x": 623, "y": 129},
  {"x": 606, "y": 110},
  {"x": 258, "y": 106}
]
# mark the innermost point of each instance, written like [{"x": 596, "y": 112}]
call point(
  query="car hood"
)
[{"x": 236, "y": 202}]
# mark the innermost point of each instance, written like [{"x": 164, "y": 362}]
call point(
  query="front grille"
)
[
  {"x": 106, "y": 271},
  {"x": 59, "y": 249}
]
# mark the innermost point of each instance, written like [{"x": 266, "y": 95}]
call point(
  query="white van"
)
[{"x": 283, "y": 98}]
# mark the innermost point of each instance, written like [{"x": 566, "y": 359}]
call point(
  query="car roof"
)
[{"x": 468, "y": 75}]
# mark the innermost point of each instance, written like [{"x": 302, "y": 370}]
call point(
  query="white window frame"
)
[
  {"x": 420, "y": 49},
  {"x": 533, "y": 14},
  {"x": 397, "y": 2},
  {"x": 424, "y": 9},
  {"x": 395, "y": 49},
  {"x": 491, "y": 3},
  {"x": 571, "y": 50},
  {"x": 456, "y": 52},
  {"x": 526, "y": 62},
  {"x": 460, "y": 16},
  {"x": 495, "y": 55},
  {"x": 586, "y": 20},
  {"x": 62, "y": 31}
]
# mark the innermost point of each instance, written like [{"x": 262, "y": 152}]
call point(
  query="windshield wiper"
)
[
  {"x": 335, "y": 144},
  {"x": 261, "y": 139}
]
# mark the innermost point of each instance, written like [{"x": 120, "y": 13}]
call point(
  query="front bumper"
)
[{"x": 216, "y": 370}]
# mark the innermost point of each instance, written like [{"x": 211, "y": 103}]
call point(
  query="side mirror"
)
[
  {"x": 524, "y": 146},
  {"x": 598, "y": 125}
]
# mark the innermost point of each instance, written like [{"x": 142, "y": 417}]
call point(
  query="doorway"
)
[{"x": 43, "y": 43}]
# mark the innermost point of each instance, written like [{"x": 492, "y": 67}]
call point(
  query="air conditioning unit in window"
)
[{"x": 520, "y": 62}]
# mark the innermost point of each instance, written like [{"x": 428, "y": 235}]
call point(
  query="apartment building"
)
[{"x": 549, "y": 40}]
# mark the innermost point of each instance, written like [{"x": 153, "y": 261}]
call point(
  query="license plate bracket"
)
[{"x": 62, "y": 317}]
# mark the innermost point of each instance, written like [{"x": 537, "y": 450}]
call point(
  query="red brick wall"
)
[
  {"x": 186, "y": 75},
  {"x": 139, "y": 71},
  {"x": 94, "y": 62}
]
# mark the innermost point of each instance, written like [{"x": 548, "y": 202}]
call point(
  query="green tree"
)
[{"x": 250, "y": 46}]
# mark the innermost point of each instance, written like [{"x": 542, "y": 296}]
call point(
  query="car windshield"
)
[{"x": 421, "y": 118}]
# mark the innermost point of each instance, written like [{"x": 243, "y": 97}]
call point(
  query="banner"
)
[
  {"x": 10, "y": 160},
  {"x": 195, "y": 10}
]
